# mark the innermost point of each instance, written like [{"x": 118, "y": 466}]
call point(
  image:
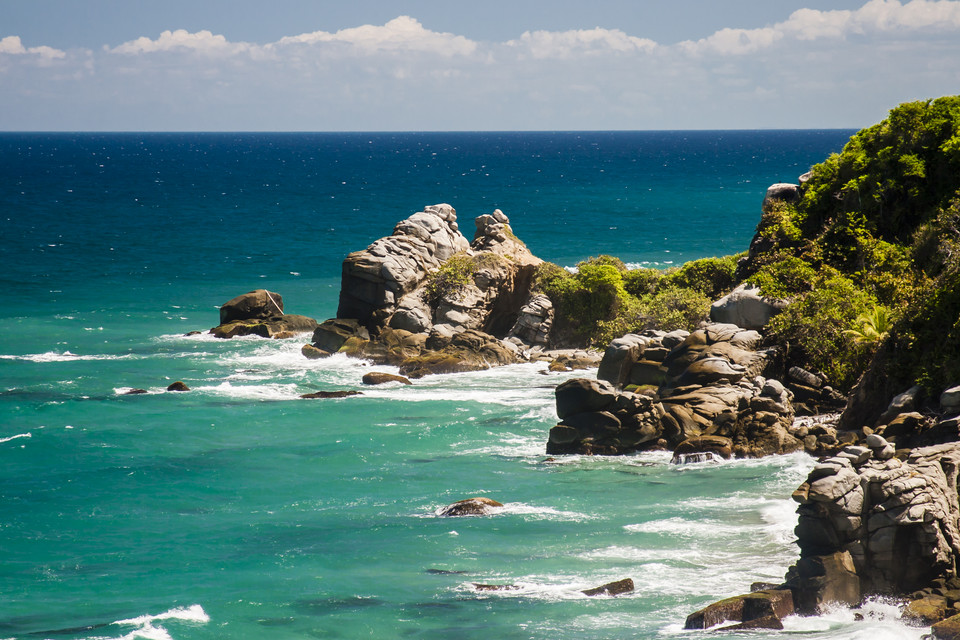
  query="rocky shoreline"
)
[{"x": 879, "y": 513}]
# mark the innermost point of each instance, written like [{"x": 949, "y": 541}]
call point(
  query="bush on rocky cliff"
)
[
  {"x": 603, "y": 300},
  {"x": 450, "y": 278}
]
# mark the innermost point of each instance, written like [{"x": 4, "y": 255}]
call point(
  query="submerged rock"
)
[{"x": 330, "y": 394}]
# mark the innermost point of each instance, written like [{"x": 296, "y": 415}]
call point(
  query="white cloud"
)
[
  {"x": 201, "y": 41},
  {"x": 573, "y": 43},
  {"x": 887, "y": 17},
  {"x": 13, "y": 46},
  {"x": 400, "y": 34}
]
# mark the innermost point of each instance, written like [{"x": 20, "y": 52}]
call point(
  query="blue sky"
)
[{"x": 241, "y": 65}]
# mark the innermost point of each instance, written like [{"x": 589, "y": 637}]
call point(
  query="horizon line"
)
[{"x": 404, "y": 131}]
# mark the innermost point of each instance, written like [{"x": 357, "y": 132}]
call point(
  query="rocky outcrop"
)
[
  {"x": 376, "y": 278},
  {"x": 260, "y": 313},
  {"x": 428, "y": 301},
  {"x": 873, "y": 523},
  {"x": 708, "y": 388}
]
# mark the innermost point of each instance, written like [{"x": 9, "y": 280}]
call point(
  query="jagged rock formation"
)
[
  {"x": 428, "y": 301},
  {"x": 260, "y": 313},
  {"x": 711, "y": 382},
  {"x": 376, "y": 278}
]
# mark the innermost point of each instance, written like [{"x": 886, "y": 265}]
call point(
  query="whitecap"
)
[
  {"x": 273, "y": 391},
  {"x": 146, "y": 627},
  {"x": 19, "y": 435},
  {"x": 65, "y": 356}
]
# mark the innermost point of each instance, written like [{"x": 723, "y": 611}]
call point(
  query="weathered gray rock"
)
[
  {"x": 535, "y": 321},
  {"x": 375, "y": 279},
  {"x": 950, "y": 401},
  {"x": 781, "y": 192},
  {"x": 746, "y": 307},
  {"x": 897, "y": 521}
]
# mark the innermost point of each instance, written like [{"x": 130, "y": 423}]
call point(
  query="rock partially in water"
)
[
  {"x": 611, "y": 588},
  {"x": 311, "y": 352},
  {"x": 470, "y": 507},
  {"x": 257, "y": 304},
  {"x": 379, "y": 377},
  {"x": 178, "y": 386},
  {"x": 330, "y": 394},
  {"x": 759, "y": 609}
]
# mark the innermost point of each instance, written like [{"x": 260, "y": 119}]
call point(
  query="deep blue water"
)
[{"x": 238, "y": 510}]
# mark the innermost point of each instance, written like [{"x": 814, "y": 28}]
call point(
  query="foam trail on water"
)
[{"x": 19, "y": 435}]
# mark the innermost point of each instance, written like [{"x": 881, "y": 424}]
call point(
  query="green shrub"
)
[
  {"x": 713, "y": 277},
  {"x": 813, "y": 328},
  {"x": 452, "y": 276},
  {"x": 640, "y": 282},
  {"x": 674, "y": 307},
  {"x": 785, "y": 278}
]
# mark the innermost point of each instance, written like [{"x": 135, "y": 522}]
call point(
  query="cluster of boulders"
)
[
  {"x": 712, "y": 390},
  {"x": 260, "y": 313},
  {"x": 427, "y": 300},
  {"x": 880, "y": 516}
]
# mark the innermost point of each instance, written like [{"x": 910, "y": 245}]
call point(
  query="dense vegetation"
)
[
  {"x": 603, "y": 300},
  {"x": 869, "y": 255}
]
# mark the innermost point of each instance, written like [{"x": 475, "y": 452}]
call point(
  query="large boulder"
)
[
  {"x": 781, "y": 192},
  {"x": 746, "y": 307},
  {"x": 260, "y": 313},
  {"x": 255, "y": 305}
]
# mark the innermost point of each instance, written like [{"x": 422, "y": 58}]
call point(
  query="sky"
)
[{"x": 450, "y": 65}]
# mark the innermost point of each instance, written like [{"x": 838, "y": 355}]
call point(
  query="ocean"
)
[{"x": 238, "y": 510}]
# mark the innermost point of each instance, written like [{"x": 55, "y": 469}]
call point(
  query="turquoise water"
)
[{"x": 238, "y": 510}]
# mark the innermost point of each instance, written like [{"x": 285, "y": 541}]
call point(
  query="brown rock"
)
[
  {"x": 378, "y": 377},
  {"x": 759, "y": 608},
  {"x": 330, "y": 394},
  {"x": 926, "y": 610},
  {"x": 495, "y": 587},
  {"x": 948, "y": 629},
  {"x": 611, "y": 588},
  {"x": 470, "y": 507},
  {"x": 717, "y": 445},
  {"x": 178, "y": 386},
  {"x": 135, "y": 392},
  {"x": 310, "y": 352},
  {"x": 258, "y": 304}
]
